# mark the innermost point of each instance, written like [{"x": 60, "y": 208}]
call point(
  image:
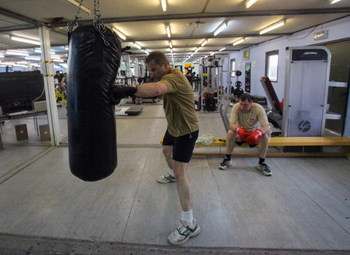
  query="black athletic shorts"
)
[{"x": 182, "y": 146}]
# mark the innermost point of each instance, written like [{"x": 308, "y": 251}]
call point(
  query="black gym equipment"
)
[
  {"x": 238, "y": 91},
  {"x": 19, "y": 90},
  {"x": 275, "y": 115}
]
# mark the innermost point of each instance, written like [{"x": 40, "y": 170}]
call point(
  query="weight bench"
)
[{"x": 343, "y": 142}]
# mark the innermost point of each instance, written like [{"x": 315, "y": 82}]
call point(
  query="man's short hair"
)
[
  {"x": 158, "y": 57},
  {"x": 246, "y": 96}
]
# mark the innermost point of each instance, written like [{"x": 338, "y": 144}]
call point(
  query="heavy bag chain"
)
[
  {"x": 74, "y": 23},
  {"x": 97, "y": 21}
]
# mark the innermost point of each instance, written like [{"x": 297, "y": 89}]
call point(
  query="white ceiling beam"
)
[{"x": 192, "y": 16}]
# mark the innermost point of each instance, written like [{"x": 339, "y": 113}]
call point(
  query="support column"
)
[
  {"x": 137, "y": 68},
  {"x": 48, "y": 73}
]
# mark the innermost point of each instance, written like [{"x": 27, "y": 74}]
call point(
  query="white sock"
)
[
  {"x": 171, "y": 172},
  {"x": 187, "y": 216}
]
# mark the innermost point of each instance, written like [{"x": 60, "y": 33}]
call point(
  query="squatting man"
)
[{"x": 248, "y": 124}]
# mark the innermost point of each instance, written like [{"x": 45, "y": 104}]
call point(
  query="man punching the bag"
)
[
  {"x": 180, "y": 136},
  {"x": 248, "y": 124}
]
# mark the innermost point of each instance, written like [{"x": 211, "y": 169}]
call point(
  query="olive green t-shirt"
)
[
  {"x": 179, "y": 104},
  {"x": 251, "y": 120}
]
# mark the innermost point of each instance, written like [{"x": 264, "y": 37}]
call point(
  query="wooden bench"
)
[{"x": 343, "y": 142}]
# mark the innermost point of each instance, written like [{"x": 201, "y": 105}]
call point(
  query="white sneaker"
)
[
  {"x": 265, "y": 169},
  {"x": 225, "y": 164},
  {"x": 166, "y": 178},
  {"x": 183, "y": 233}
]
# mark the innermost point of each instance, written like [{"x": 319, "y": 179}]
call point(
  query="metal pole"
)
[{"x": 48, "y": 74}]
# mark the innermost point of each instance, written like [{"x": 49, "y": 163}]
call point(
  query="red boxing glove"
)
[
  {"x": 254, "y": 137},
  {"x": 242, "y": 133}
]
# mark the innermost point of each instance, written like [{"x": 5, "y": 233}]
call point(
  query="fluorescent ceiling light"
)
[
  {"x": 7, "y": 63},
  {"x": 35, "y": 58},
  {"x": 22, "y": 39},
  {"x": 17, "y": 53},
  {"x": 222, "y": 49},
  {"x": 273, "y": 26},
  {"x": 249, "y": 3},
  {"x": 120, "y": 34},
  {"x": 84, "y": 8},
  {"x": 220, "y": 28},
  {"x": 163, "y": 3},
  {"x": 170, "y": 44},
  {"x": 334, "y": 1},
  {"x": 204, "y": 42},
  {"x": 196, "y": 49},
  {"x": 39, "y": 51},
  {"x": 238, "y": 41},
  {"x": 55, "y": 57},
  {"x": 137, "y": 45},
  {"x": 167, "y": 29}
]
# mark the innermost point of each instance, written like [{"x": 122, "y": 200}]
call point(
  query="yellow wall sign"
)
[
  {"x": 246, "y": 54},
  {"x": 205, "y": 74}
]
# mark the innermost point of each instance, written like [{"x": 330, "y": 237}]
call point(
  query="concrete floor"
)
[{"x": 304, "y": 208}]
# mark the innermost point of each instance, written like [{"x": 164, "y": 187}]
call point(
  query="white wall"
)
[{"x": 339, "y": 29}]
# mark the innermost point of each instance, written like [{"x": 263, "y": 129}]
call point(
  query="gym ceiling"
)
[{"x": 144, "y": 22}]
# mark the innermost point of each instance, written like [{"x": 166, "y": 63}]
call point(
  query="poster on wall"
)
[
  {"x": 248, "y": 67},
  {"x": 246, "y": 54}
]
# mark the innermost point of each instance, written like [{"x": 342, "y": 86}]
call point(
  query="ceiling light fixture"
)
[
  {"x": 220, "y": 28},
  {"x": 35, "y": 58},
  {"x": 204, "y": 42},
  {"x": 26, "y": 40},
  {"x": 137, "y": 45},
  {"x": 84, "y": 8},
  {"x": 196, "y": 49},
  {"x": 17, "y": 53},
  {"x": 334, "y": 1},
  {"x": 163, "y": 3},
  {"x": 171, "y": 45},
  {"x": 238, "y": 42},
  {"x": 120, "y": 34},
  {"x": 222, "y": 49},
  {"x": 167, "y": 29},
  {"x": 273, "y": 26},
  {"x": 249, "y": 3}
]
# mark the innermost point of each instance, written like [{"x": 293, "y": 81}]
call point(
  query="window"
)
[
  {"x": 233, "y": 67},
  {"x": 271, "y": 70}
]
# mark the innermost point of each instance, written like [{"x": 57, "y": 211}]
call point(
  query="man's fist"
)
[
  {"x": 254, "y": 137},
  {"x": 242, "y": 133},
  {"x": 118, "y": 93}
]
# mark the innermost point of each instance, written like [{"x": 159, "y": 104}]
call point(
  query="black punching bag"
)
[{"x": 92, "y": 68}]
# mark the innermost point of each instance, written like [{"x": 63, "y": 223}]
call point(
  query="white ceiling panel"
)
[{"x": 143, "y": 21}]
